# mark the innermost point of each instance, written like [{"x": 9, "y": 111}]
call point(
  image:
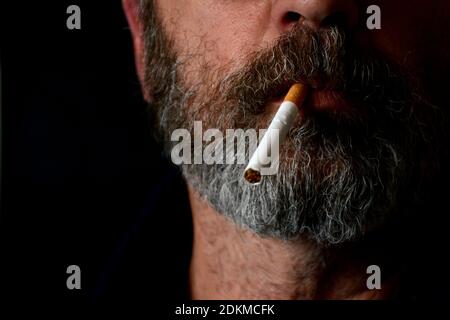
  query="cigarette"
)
[{"x": 280, "y": 125}]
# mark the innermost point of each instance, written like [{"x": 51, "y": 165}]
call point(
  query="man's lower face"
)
[{"x": 344, "y": 168}]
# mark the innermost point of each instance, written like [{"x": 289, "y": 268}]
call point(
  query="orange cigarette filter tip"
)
[{"x": 297, "y": 94}]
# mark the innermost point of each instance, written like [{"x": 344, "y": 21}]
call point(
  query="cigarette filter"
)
[{"x": 278, "y": 128}]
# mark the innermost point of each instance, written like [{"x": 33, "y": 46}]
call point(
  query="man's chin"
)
[{"x": 288, "y": 208}]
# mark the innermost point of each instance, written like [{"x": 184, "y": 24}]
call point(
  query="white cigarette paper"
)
[{"x": 267, "y": 151}]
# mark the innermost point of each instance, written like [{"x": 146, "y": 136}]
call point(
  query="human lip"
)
[
  {"x": 327, "y": 99},
  {"x": 318, "y": 99}
]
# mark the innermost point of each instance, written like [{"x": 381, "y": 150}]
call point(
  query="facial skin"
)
[
  {"x": 225, "y": 31},
  {"x": 366, "y": 129}
]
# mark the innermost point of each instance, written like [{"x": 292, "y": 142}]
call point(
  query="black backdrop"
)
[{"x": 80, "y": 166}]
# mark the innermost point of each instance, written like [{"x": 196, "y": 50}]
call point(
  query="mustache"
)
[{"x": 324, "y": 59}]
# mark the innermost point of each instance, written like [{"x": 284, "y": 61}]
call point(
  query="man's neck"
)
[{"x": 231, "y": 263}]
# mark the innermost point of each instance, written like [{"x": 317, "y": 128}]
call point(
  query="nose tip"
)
[{"x": 317, "y": 14}]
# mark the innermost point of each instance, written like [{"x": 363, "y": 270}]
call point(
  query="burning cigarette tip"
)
[{"x": 252, "y": 176}]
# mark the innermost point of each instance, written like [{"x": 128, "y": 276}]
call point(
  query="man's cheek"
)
[{"x": 216, "y": 42}]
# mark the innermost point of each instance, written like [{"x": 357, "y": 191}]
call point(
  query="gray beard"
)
[
  {"x": 331, "y": 194},
  {"x": 338, "y": 179},
  {"x": 332, "y": 185}
]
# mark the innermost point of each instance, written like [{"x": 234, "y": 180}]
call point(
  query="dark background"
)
[
  {"x": 84, "y": 183},
  {"x": 82, "y": 179}
]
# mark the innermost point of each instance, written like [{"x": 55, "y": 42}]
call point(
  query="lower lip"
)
[{"x": 320, "y": 100}]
